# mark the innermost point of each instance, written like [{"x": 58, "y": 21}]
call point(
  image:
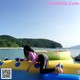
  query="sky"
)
[{"x": 39, "y": 19}]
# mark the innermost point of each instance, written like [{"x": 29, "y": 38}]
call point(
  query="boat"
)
[
  {"x": 20, "y": 67},
  {"x": 71, "y": 70},
  {"x": 68, "y": 67}
]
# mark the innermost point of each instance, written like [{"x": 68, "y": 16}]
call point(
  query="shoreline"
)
[
  {"x": 11, "y": 47},
  {"x": 42, "y": 50},
  {"x": 3, "y": 48}
]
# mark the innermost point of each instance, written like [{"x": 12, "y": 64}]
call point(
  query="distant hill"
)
[
  {"x": 9, "y": 41},
  {"x": 75, "y": 47}
]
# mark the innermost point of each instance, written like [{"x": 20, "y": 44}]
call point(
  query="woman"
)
[{"x": 30, "y": 54}]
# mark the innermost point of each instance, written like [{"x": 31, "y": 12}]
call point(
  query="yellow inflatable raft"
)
[{"x": 68, "y": 66}]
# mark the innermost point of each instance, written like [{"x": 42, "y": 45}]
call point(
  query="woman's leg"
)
[{"x": 43, "y": 65}]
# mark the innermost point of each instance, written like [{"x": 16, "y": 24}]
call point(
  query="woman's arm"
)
[
  {"x": 33, "y": 61},
  {"x": 31, "y": 54}
]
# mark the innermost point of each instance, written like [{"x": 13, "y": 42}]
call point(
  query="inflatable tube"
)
[
  {"x": 68, "y": 68},
  {"x": 58, "y": 55},
  {"x": 60, "y": 77},
  {"x": 23, "y": 75}
]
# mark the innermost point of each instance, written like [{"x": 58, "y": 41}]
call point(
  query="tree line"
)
[{"x": 9, "y": 41}]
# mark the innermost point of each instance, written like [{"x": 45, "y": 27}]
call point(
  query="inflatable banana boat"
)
[
  {"x": 68, "y": 66},
  {"x": 71, "y": 70}
]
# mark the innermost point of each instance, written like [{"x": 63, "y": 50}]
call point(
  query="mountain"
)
[
  {"x": 9, "y": 41},
  {"x": 75, "y": 47}
]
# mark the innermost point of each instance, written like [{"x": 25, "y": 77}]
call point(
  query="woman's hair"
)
[{"x": 27, "y": 48}]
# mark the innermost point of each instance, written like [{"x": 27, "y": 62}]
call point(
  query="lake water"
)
[{"x": 13, "y": 53}]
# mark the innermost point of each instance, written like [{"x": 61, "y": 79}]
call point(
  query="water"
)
[{"x": 13, "y": 53}]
